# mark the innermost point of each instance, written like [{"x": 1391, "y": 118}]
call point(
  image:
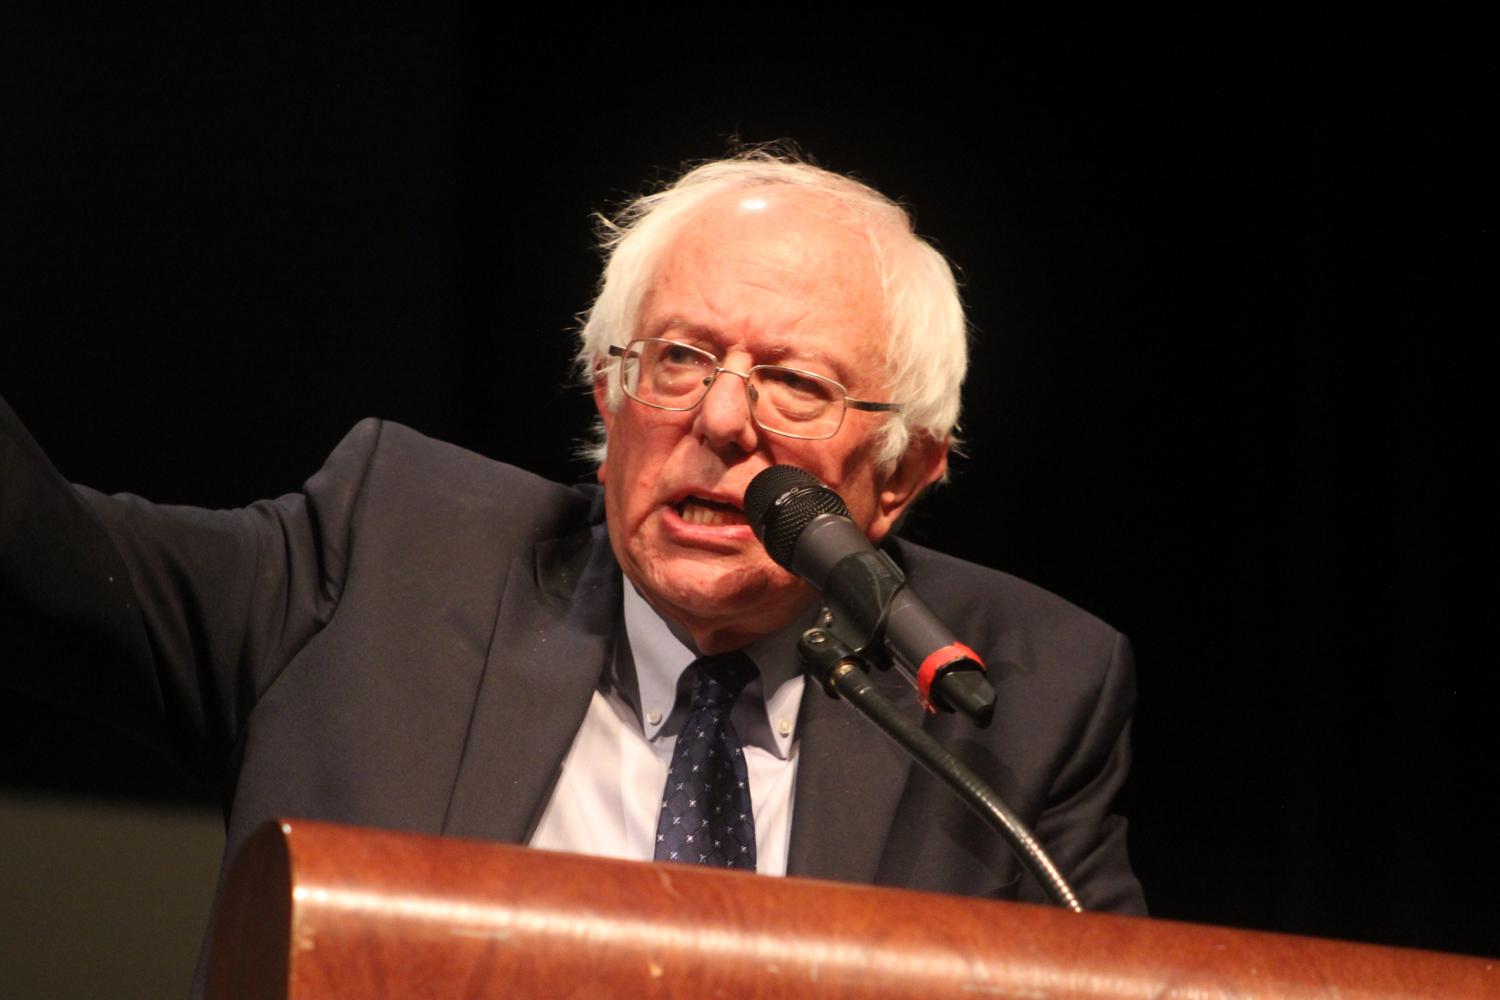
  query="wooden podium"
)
[{"x": 315, "y": 910}]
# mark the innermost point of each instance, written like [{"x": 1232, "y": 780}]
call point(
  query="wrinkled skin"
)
[{"x": 772, "y": 275}]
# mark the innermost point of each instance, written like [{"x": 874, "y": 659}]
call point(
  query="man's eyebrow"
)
[
  {"x": 674, "y": 324},
  {"x": 793, "y": 356},
  {"x": 780, "y": 353}
]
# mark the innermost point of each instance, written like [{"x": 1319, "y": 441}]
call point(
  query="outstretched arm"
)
[{"x": 164, "y": 621}]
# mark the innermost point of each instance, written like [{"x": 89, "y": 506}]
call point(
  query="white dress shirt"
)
[{"x": 608, "y": 797}]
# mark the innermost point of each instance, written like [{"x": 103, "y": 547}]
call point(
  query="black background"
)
[{"x": 1227, "y": 389}]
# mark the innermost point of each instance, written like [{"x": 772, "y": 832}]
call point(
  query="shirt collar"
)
[{"x": 660, "y": 659}]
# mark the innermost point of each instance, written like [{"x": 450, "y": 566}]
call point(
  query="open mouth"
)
[{"x": 709, "y": 513}]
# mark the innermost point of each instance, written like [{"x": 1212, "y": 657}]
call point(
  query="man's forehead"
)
[
  {"x": 801, "y": 247},
  {"x": 768, "y": 348},
  {"x": 779, "y": 271}
]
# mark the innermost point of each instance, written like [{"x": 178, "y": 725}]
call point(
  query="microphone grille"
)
[{"x": 782, "y": 501}]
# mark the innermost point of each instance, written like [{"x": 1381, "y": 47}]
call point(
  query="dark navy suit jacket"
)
[{"x": 412, "y": 640}]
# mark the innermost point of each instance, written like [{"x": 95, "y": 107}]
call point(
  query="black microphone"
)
[{"x": 806, "y": 529}]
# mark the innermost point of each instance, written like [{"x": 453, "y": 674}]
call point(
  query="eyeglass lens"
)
[{"x": 783, "y": 400}]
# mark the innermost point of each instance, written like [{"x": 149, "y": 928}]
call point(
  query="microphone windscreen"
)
[{"x": 781, "y": 501}]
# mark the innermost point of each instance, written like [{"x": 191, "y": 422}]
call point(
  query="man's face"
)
[{"x": 766, "y": 276}]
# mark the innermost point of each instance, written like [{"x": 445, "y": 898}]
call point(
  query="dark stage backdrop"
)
[{"x": 1225, "y": 388}]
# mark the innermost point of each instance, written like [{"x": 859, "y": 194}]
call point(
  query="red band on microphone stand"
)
[{"x": 936, "y": 661}]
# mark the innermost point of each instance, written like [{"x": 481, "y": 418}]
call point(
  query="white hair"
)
[{"x": 926, "y": 347}]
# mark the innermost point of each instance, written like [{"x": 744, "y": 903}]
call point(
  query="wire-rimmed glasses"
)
[{"x": 671, "y": 375}]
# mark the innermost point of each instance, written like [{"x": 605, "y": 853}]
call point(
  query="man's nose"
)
[{"x": 724, "y": 415}]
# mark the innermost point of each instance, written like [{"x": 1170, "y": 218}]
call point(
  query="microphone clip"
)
[
  {"x": 859, "y": 589},
  {"x": 857, "y": 596},
  {"x": 827, "y": 659},
  {"x": 862, "y": 588}
]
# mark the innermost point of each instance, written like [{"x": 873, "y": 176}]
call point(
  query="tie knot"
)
[{"x": 721, "y": 678}]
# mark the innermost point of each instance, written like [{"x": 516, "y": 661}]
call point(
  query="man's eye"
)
[
  {"x": 800, "y": 385},
  {"x": 673, "y": 355}
]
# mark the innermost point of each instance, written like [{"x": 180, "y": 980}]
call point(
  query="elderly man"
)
[{"x": 428, "y": 640}]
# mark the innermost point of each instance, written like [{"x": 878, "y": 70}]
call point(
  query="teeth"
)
[{"x": 695, "y": 511}]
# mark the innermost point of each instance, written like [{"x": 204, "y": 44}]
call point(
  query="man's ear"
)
[
  {"x": 606, "y": 415},
  {"x": 924, "y": 463},
  {"x": 601, "y": 398}
]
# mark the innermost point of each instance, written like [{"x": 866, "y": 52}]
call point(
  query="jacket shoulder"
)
[
  {"x": 429, "y": 485},
  {"x": 1013, "y": 624},
  {"x": 1065, "y": 693}
]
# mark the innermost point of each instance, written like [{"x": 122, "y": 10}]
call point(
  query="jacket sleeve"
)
[
  {"x": 165, "y": 621},
  {"x": 1079, "y": 828}
]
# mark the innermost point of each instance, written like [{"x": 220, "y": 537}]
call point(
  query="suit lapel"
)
[
  {"x": 552, "y": 639},
  {"x": 551, "y": 642},
  {"x": 850, "y": 778}
]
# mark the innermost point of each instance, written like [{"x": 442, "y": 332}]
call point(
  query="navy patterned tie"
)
[{"x": 705, "y": 808}]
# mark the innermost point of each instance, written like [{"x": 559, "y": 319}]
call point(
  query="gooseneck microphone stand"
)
[
  {"x": 806, "y": 529},
  {"x": 841, "y": 672}
]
